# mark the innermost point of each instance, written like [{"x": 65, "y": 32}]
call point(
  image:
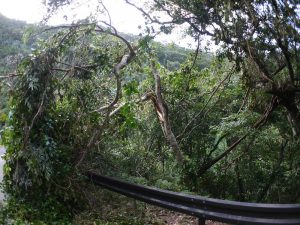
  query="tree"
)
[
  {"x": 87, "y": 97},
  {"x": 261, "y": 37}
]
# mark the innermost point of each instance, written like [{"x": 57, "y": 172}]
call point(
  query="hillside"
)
[
  {"x": 91, "y": 99},
  {"x": 11, "y": 44},
  {"x": 13, "y": 48}
]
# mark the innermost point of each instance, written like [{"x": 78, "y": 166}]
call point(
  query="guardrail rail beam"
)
[{"x": 202, "y": 207}]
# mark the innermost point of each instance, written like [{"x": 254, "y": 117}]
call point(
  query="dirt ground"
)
[
  {"x": 114, "y": 209},
  {"x": 174, "y": 218}
]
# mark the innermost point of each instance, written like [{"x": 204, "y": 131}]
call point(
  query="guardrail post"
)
[{"x": 201, "y": 221}]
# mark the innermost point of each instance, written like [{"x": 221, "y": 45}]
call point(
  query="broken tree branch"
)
[{"x": 162, "y": 113}]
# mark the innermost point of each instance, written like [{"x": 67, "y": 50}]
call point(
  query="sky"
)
[
  {"x": 32, "y": 11},
  {"x": 124, "y": 17},
  {"x": 22, "y": 9}
]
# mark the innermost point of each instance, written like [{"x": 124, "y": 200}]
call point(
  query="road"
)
[{"x": 2, "y": 151}]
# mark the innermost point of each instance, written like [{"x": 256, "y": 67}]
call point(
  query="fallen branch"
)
[{"x": 125, "y": 61}]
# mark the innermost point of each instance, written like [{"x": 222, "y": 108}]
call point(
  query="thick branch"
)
[
  {"x": 263, "y": 71},
  {"x": 126, "y": 59}
]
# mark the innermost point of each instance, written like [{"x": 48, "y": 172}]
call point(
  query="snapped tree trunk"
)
[{"x": 162, "y": 113}]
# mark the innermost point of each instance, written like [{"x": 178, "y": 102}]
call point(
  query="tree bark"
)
[
  {"x": 287, "y": 98},
  {"x": 293, "y": 117},
  {"x": 162, "y": 113}
]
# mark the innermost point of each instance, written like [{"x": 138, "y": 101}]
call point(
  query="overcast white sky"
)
[
  {"x": 32, "y": 11},
  {"x": 124, "y": 17},
  {"x": 19, "y": 9}
]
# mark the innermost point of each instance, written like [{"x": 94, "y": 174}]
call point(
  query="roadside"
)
[
  {"x": 2, "y": 151},
  {"x": 110, "y": 208}
]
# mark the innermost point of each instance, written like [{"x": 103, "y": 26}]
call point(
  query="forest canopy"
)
[{"x": 87, "y": 97}]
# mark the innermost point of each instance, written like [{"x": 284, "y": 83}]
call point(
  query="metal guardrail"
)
[{"x": 201, "y": 207}]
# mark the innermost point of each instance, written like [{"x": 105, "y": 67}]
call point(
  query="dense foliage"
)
[
  {"x": 261, "y": 37},
  {"x": 222, "y": 126},
  {"x": 12, "y": 47}
]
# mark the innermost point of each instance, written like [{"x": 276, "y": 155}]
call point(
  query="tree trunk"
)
[
  {"x": 162, "y": 113},
  {"x": 289, "y": 102},
  {"x": 172, "y": 141},
  {"x": 294, "y": 118}
]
